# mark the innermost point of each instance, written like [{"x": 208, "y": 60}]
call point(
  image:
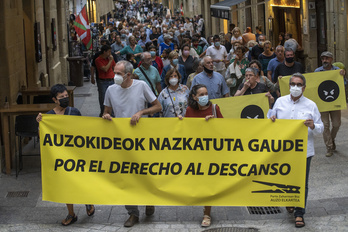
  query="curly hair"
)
[{"x": 192, "y": 102}]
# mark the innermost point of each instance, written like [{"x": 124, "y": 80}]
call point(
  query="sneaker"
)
[{"x": 329, "y": 154}]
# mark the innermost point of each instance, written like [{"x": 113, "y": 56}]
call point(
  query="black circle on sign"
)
[
  {"x": 252, "y": 111},
  {"x": 328, "y": 91}
]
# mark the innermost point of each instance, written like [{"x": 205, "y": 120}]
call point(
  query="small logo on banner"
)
[
  {"x": 252, "y": 111},
  {"x": 328, "y": 91},
  {"x": 277, "y": 188}
]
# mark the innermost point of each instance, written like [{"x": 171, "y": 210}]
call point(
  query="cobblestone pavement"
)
[{"x": 327, "y": 208}]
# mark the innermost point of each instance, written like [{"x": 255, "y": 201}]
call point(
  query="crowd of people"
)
[{"x": 168, "y": 63}]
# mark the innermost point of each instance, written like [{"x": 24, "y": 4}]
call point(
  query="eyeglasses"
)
[{"x": 296, "y": 84}]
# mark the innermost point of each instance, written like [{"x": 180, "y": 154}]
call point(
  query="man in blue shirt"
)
[
  {"x": 273, "y": 63},
  {"x": 143, "y": 40},
  {"x": 335, "y": 115},
  {"x": 117, "y": 46},
  {"x": 214, "y": 81}
]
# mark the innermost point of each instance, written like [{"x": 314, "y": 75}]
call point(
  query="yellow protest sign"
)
[
  {"x": 246, "y": 106},
  {"x": 325, "y": 88},
  {"x": 167, "y": 161}
]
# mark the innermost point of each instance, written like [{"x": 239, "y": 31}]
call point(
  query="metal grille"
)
[
  {"x": 264, "y": 210},
  {"x": 18, "y": 194},
  {"x": 231, "y": 229}
]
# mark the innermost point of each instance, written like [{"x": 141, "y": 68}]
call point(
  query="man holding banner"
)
[
  {"x": 297, "y": 106},
  {"x": 335, "y": 115},
  {"x": 127, "y": 99}
]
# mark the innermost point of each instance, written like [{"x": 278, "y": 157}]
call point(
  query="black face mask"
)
[
  {"x": 208, "y": 70},
  {"x": 64, "y": 102},
  {"x": 289, "y": 59}
]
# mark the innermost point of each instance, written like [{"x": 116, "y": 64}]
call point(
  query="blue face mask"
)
[
  {"x": 217, "y": 44},
  {"x": 153, "y": 53},
  {"x": 175, "y": 62},
  {"x": 203, "y": 100},
  {"x": 250, "y": 48}
]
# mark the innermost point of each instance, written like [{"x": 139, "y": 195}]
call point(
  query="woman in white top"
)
[{"x": 188, "y": 26}]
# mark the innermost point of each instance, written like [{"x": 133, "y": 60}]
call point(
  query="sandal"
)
[
  {"x": 90, "y": 210},
  {"x": 290, "y": 209},
  {"x": 299, "y": 223},
  {"x": 206, "y": 221},
  {"x": 69, "y": 220}
]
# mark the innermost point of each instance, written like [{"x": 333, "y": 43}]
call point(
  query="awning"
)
[{"x": 222, "y": 9}]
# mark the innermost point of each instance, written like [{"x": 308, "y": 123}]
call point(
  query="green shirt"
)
[
  {"x": 243, "y": 64},
  {"x": 152, "y": 74},
  {"x": 199, "y": 50},
  {"x": 128, "y": 49}
]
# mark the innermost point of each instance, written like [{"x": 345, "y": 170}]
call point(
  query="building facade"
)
[
  {"x": 317, "y": 25},
  {"x": 33, "y": 35}
]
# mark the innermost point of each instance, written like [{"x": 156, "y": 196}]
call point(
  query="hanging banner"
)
[
  {"x": 246, "y": 106},
  {"x": 325, "y": 88},
  {"x": 168, "y": 161}
]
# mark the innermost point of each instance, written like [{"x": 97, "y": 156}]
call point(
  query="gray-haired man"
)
[
  {"x": 128, "y": 98},
  {"x": 297, "y": 106}
]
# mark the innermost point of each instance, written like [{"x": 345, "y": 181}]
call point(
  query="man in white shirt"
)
[
  {"x": 297, "y": 106},
  {"x": 218, "y": 53},
  {"x": 200, "y": 25},
  {"x": 128, "y": 98}
]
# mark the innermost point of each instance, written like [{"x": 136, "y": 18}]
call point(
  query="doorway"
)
[
  {"x": 321, "y": 28},
  {"x": 287, "y": 20}
]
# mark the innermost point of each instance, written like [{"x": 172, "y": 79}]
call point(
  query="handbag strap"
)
[
  {"x": 172, "y": 103},
  {"x": 153, "y": 90}
]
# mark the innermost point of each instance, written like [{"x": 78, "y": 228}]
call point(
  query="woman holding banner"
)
[
  {"x": 61, "y": 97},
  {"x": 173, "y": 98},
  {"x": 201, "y": 107}
]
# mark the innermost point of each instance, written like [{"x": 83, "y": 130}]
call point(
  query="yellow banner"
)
[
  {"x": 246, "y": 106},
  {"x": 325, "y": 88},
  {"x": 167, "y": 161}
]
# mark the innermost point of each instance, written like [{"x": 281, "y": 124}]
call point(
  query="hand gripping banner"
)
[
  {"x": 325, "y": 88},
  {"x": 167, "y": 161}
]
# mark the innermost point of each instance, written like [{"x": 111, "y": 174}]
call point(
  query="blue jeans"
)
[
  {"x": 299, "y": 212},
  {"x": 102, "y": 87}
]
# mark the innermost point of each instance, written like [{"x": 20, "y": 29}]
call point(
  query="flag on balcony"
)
[
  {"x": 181, "y": 10},
  {"x": 82, "y": 29}
]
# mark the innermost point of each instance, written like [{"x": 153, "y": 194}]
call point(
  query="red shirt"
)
[
  {"x": 101, "y": 62},
  {"x": 192, "y": 113}
]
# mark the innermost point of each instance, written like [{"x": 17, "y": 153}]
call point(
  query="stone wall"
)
[
  {"x": 12, "y": 59},
  {"x": 18, "y": 65},
  {"x": 103, "y": 7}
]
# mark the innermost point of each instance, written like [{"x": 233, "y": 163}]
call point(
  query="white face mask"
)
[
  {"x": 295, "y": 91},
  {"x": 118, "y": 79},
  {"x": 173, "y": 81}
]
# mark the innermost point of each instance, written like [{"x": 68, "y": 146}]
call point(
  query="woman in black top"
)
[
  {"x": 60, "y": 96},
  {"x": 186, "y": 59}
]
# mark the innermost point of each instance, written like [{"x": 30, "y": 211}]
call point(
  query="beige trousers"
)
[{"x": 330, "y": 135}]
